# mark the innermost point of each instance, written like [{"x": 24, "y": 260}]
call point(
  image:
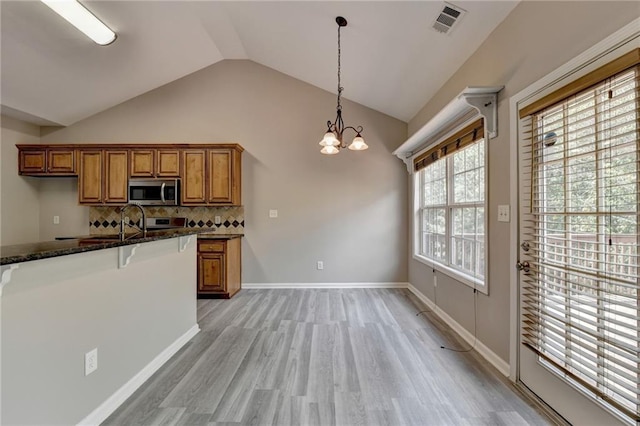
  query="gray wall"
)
[
  {"x": 19, "y": 205},
  {"x": 535, "y": 39},
  {"x": 348, "y": 210},
  {"x": 55, "y": 310}
]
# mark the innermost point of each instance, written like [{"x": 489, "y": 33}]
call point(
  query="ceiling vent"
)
[{"x": 448, "y": 18}]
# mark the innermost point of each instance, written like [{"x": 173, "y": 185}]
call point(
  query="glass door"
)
[{"x": 579, "y": 162}]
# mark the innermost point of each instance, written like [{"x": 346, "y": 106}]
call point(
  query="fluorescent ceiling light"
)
[{"x": 78, "y": 16}]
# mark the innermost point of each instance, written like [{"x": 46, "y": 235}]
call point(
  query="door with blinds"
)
[{"x": 579, "y": 232}]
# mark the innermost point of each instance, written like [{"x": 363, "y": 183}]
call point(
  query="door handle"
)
[{"x": 162, "y": 193}]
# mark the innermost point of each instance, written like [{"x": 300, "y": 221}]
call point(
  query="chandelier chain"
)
[{"x": 339, "y": 85}]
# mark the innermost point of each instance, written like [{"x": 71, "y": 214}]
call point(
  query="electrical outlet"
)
[
  {"x": 320, "y": 265},
  {"x": 56, "y": 220},
  {"x": 273, "y": 213},
  {"x": 217, "y": 220},
  {"x": 503, "y": 213},
  {"x": 90, "y": 361}
]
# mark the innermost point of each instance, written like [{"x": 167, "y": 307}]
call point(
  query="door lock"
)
[{"x": 525, "y": 246}]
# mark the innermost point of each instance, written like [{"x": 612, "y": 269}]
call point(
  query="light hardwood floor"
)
[{"x": 324, "y": 357}]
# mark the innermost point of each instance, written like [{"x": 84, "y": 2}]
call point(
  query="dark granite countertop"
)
[
  {"x": 27, "y": 252},
  {"x": 208, "y": 235}
]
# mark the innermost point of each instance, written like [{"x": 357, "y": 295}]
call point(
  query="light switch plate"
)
[
  {"x": 56, "y": 220},
  {"x": 273, "y": 213},
  {"x": 217, "y": 220},
  {"x": 504, "y": 213}
]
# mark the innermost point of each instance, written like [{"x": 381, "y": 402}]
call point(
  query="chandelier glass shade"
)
[{"x": 333, "y": 141}]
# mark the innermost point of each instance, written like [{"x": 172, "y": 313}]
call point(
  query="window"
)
[
  {"x": 581, "y": 304},
  {"x": 451, "y": 215}
]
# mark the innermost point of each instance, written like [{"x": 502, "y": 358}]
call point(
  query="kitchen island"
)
[{"x": 134, "y": 301}]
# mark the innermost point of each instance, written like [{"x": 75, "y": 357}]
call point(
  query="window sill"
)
[{"x": 461, "y": 277}]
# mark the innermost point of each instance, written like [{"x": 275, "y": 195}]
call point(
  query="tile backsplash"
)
[{"x": 106, "y": 220}]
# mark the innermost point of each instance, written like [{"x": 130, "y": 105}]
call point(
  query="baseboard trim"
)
[
  {"x": 105, "y": 409},
  {"x": 501, "y": 365},
  {"x": 324, "y": 285}
]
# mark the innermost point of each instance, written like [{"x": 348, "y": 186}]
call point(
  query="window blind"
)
[
  {"x": 581, "y": 214},
  {"x": 466, "y": 136}
]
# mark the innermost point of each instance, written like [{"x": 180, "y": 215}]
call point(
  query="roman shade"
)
[{"x": 464, "y": 137}]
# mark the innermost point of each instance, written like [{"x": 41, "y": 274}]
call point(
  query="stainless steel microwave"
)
[{"x": 154, "y": 192}]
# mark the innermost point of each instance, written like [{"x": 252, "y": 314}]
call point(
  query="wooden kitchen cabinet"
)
[
  {"x": 115, "y": 178},
  {"x": 61, "y": 162},
  {"x": 168, "y": 163},
  {"x": 46, "y": 162},
  {"x": 210, "y": 173},
  {"x": 90, "y": 177},
  {"x": 225, "y": 176},
  {"x": 219, "y": 268},
  {"x": 193, "y": 190},
  {"x": 141, "y": 163},
  {"x": 32, "y": 162},
  {"x": 102, "y": 177},
  {"x": 212, "y": 277},
  {"x": 154, "y": 163},
  {"x": 211, "y": 177}
]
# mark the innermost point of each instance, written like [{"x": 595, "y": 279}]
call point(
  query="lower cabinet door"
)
[{"x": 211, "y": 273}]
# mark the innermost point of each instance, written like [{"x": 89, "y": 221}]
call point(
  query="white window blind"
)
[{"x": 581, "y": 295}]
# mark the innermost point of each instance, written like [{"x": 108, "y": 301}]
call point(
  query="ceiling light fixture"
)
[
  {"x": 78, "y": 16},
  {"x": 332, "y": 141}
]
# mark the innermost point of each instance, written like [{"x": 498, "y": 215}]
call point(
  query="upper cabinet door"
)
[
  {"x": 220, "y": 176},
  {"x": 142, "y": 162},
  {"x": 32, "y": 162},
  {"x": 168, "y": 163},
  {"x": 61, "y": 162},
  {"x": 154, "y": 163},
  {"x": 47, "y": 162},
  {"x": 193, "y": 177},
  {"x": 90, "y": 177},
  {"x": 225, "y": 175},
  {"x": 116, "y": 184}
]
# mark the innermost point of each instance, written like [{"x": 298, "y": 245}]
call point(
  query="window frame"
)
[{"x": 479, "y": 284}]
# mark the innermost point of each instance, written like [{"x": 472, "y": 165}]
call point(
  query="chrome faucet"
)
[{"x": 123, "y": 225}]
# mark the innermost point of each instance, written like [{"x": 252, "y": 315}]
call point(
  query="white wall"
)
[
  {"x": 19, "y": 206},
  {"x": 535, "y": 39},
  {"x": 348, "y": 210}
]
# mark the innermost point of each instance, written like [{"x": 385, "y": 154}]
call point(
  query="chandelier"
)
[{"x": 332, "y": 141}]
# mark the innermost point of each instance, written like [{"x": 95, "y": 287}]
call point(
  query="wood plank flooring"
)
[{"x": 324, "y": 357}]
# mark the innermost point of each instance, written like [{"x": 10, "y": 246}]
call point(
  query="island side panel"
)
[{"x": 55, "y": 310}]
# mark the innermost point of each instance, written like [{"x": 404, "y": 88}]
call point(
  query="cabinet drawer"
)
[{"x": 211, "y": 246}]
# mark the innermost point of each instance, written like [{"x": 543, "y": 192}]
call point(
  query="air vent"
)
[{"x": 448, "y": 18}]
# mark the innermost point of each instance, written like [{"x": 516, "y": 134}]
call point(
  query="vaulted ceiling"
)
[{"x": 392, "y": 59}]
